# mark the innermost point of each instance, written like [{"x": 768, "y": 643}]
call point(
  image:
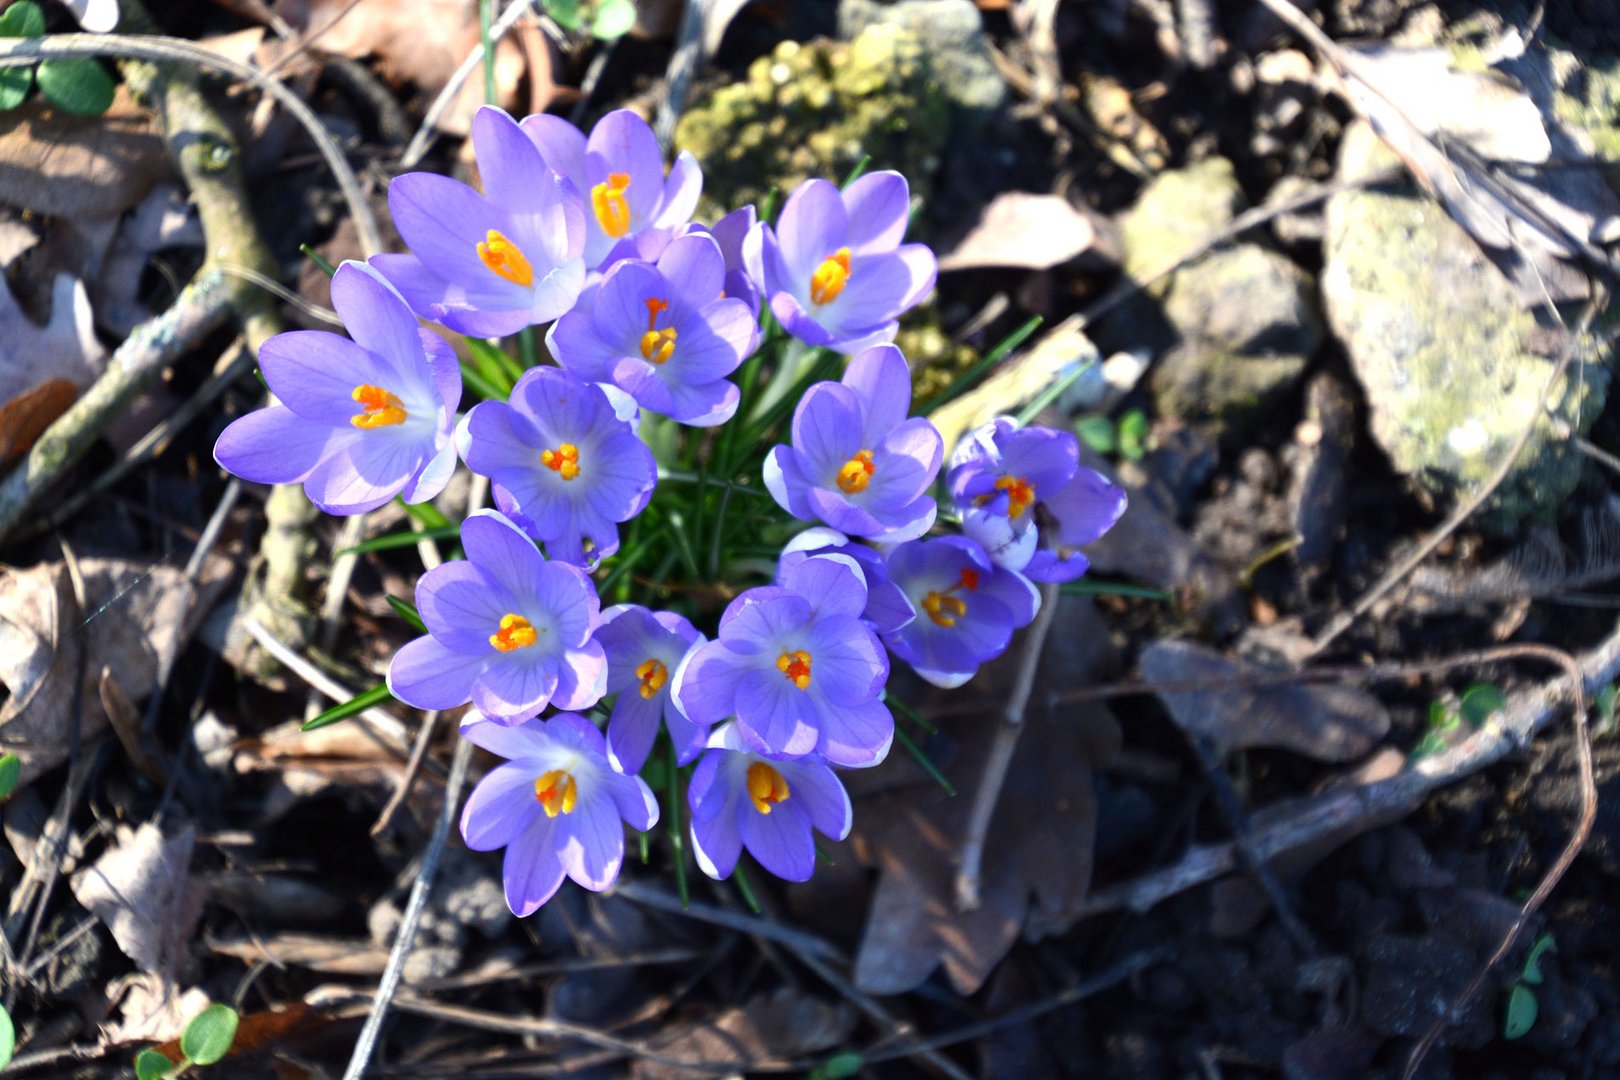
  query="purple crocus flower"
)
[
  {"x": 508, "y": 630},
  {"x": 557, "y": 806},
  {"x": 833, "y": 270},
  {"x": 1000, "y": 473},
  {"x": 967, "y": 607},
  {"x": 763, "y": 802},
  {"x": 565, "y": 467},
  {"x": 620, "y": 172},
  {"x": 730, "y": 232},
  {"x": 357, "y": 421},
  {"x": 489, "y": 265},
  {"x": 856, "y": 462},
  {"x": 644, "y": 648},
  {"x": 663, "y": 334},
  {"x": 887, "y": 608},
  {"x": 797, "y": 667}
]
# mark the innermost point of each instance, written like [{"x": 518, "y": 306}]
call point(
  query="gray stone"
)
[
  {"x": 952, "y": 31},
  {"x": 1243, "y": 319},
  {"x": 1451, "y": 361}
]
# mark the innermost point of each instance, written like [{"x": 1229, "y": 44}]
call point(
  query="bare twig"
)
[
  {"x": 388, "y": 730},
  {"x": 413, "y": 915},
  {"x": 683, "y": 62},
  {"x": 1001, "y": 752},
  {"x": 424, "y": 738}
]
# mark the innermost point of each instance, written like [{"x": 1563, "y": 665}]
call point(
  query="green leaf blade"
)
[
  {"x": 14, "y": 86},
  {"x": 8, "y": 1037},
  {"x": 357, "y": 704},
  {"x": 10, "y": 774},
  {"x": 24, "y": 19},
  {"x": 77, "y": 86},
  {"x": 209, "y": 1035}
]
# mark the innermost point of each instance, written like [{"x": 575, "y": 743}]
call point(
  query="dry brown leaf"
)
[
  {"x": 783, "y": 1024},
  {"x": 1038, "y": 855},
  {"x": 60, "y": 165},
  {"x": 141, "y": 888},
  {"x": 63, "y": 350},
  {"x": 25, "y": 417},
  {"x": 151, "y": 1009},
  {"x": 334, "y": 956},
  {"x": 421, "y": 42},
  {"x": 1024, "y": 230},
  {"x": 1327, "y": 723},
  {"x": 137, "y": 614}
]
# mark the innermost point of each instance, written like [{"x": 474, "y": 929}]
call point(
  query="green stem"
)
[
  {"x": 677, "y": 836},
  {"x": 486, "y": 19}
]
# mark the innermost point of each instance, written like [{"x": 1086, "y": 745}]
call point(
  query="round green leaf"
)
[
  {"x": 1522, "y": 1008},
  {"x": 23, "y": 19},
  {"x": 614, "y": 19},
  {"x": 209, "y": 1036},
  {"x": 565, "y": 13},
  {"x": 8, "y": 1037},
  {"x": 1480, "y": 701},
  {"x": 77, "y": 86},
  {"x": 14, "y": 85},
  {"x": 10, "y": 773},
  {"x": 151, "y": 1065}
]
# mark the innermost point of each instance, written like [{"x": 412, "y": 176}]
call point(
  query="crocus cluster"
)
[{"x": 650, "y": 313}]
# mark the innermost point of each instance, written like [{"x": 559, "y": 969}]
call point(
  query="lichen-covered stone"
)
[
  {"x": 953, "y": 31},
  {"x": 1589, "y": 100},
  {"x": 1446, "y": 351},
  {"x": 812, "y": 109},
  {"x": 1242, "y": 320},
  {"x": 936, "y": 361}
]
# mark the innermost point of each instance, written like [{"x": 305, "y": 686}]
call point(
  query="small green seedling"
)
[
  {"x": 840, "y": 1066},
  {"x": 1446, "y": 719},
  {"x": 1127, "y": 438},
  {"x": 607, "y": 19},
  {"x": 78, "y": 85},
  {"x": 1605, "y": 705},
  {"x": 1522, "y": 1006},
  {"x": 205, "y": 1041},
  {"x": 10, "y": 774}
]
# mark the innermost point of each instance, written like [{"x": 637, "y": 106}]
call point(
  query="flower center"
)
[
  {"x": 382, "y": 409},
  {"x": 556, "y": 792},
  {"x": 830, "y": 277},
  {"x": 943, "y": 608},
  {"x": 564, "y": 461},
  {"x": 856, "y": 473},
  {"x": 610, "y": 206},
  {"x": 505, "y": 259},
  {"x": 795, "y": 667},
  {"x": 657, "y": 346},
  {"x": 1020, "y": 495},
  {"x": 766, "y": 787},
  {"x": 516, "y": 632},
  {"x": 653, "y": 675}
]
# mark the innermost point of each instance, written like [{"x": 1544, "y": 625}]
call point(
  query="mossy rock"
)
[
  {"x": 1447, "y": 352},
  {"x": 936, "y": 361},
  {"x": 812, "y": 109}
]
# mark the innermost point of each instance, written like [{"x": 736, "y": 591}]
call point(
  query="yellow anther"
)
[
  {"x": 943, "y": 608},
  {"x": 766, "y": 787},
  {"x": 610, "y": 206},
  {"x": 1020, "y": 495},
  {"x": 795, "y": 666},
  {"x": 505, "y": 259},
  {"x": 564, "y": 461},
  {"x": 516, "y": 632},
  {"x": 653, "y": 675},
  {"x": 657, "y": 346},
  {"x": 556, "y": 792},
  {"x": 856, "y": 473},
  {"x": 382, "y": 409},
  {"x": 830, "y": 277}
]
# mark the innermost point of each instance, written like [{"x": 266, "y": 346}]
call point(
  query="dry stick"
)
[
  {"x": 158, "y": 49},
  {"x": 1001, "y": 752},
  {"x": 379, "y": 722},
  {"x": 1554, "y": 874},
  {"x": 424, "y": 738},
  {"x": 413, "y": 915},
  {"x": 1512, "y": 729},
  {"x": 349, "y": 534}
]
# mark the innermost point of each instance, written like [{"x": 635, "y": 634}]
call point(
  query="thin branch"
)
[
  {"x": 424, "y": 135},
  {"x": 1001, "y": 752}
]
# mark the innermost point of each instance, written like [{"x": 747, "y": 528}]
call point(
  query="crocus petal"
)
[
  {"x": 516, "y": 742},
  {"x": 314, "y": 373},
  {"x": 717, "y": 843},
  {"x": 704, "y": 687},
  {"x": 515, "y": 686},
  {"x": 428, "y": 483},
  {"x": 682, "y": 189},
  {"x": 880, "y": 378},
  {"x": 850, "y": 666},
  {"x": 443, "y": 221},
  {"x": 857, "y": 736},
  {"x": 634, "y": 800},
  {"x": 367, "y": 473},
  {"x": 1086, "y": 507},
  {"x": 500, "y": 808},
  {"x": 561, "y": 145},
  {"x": 377, "y": 318},
  {"x": 427, "y": 675},
  {"x": 595, "y": 846},
  {"x": 623, "y": 142},
  {"x": 499, "y": 548},
  {"x": 531, "y": 871},
  {"x": 275, "y": 446},
  {"x": 433, "y": 297},
  {"x": 581, "y": 678},
  {"x": 826, "y": 425},
  {"x": 783, "y": 718},
  {"x": 780, "y": 840},
  {"x": 821, "y": 795},
  {"x": 879, "y": 206},
  {"x": 508, "y": 162},
  {"x": 632, "y": 728},
  {"x": 694, "y": 266},
  {"x": 835, "y": 584},
  {"x": 812, "y": 227},
  {"x": 461, "y": 606}
]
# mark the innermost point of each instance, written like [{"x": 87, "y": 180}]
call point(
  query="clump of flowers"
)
[{"x": 723, "y": 612}]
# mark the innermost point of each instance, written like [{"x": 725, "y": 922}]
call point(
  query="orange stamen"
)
[
  {"x": 796, "y": 667},
  {"x": 830, "y": 277},
  {"x": 766, "y": 786},
  {"x": 556, "y": 792},
  {"x": 856, "y": 473},
  {"x": 657, "y": 346},
  {"x": 382, "y": 409},
  {"x": 653, "y": 675},
  {"x": 1020, "y": 495},
  {"x": 564, "y": 461},
  {"x": 516, "y": 632},
  {"x": 505, "y": 259},
  {"x": 610, "y": 206}
]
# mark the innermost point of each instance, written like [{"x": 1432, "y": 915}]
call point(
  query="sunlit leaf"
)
[
  {"x": 79, "y": 86},
  {"x": 151, "y": 1065},
  {"x": 357, "y": 704},
  {"x": 209, "y": 1035},
  {"x": 1522, "y": 1008},
  {"x": 1480, "y": 701}
]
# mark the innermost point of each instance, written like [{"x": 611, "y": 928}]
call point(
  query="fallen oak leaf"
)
[
  {"x": 141, "y": 889},
  {"x": 25, "y": 417},
  {"x": 1026, "y": 231}
]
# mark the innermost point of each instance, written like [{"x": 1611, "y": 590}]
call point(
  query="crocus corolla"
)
[
  {"x": 967, "y": 607},
  {"x": 766, "y": 803},
  {"x": 663, "y": 333},
  {"x": 357, "y": 421},
  {"x": 508, "y": 630},
  {"x": 557, "y": 806},
  {"x": 797, "y": 667},
  {"x": 644, "y": 649},
  {"x": 564, "y": 466},
  {"x": 887, "y": 608},
  {"x": 833, "y": 270},
  {"x": 489, "y": 265},
  {"x": 620, "y": 172},
  {"x": 856, "y": 462}
]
